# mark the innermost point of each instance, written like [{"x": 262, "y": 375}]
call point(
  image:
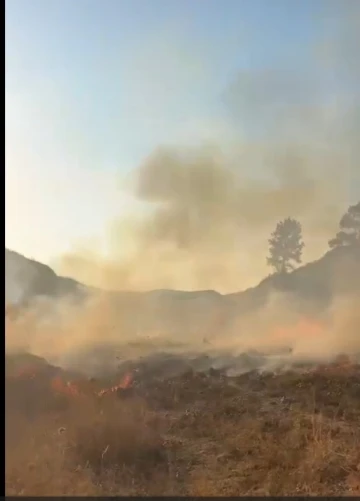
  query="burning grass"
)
[{"x": 194, "y": 434}]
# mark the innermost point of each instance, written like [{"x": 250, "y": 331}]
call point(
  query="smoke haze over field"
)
[
  {"x": 291, "y": 148},
  {"x": 314, "y": 318},
  {"x": 209, "y": 209},
  {"x": 93, "y": 338}
]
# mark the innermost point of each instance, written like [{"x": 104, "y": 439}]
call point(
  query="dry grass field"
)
[{"x": 198, "y": 434}]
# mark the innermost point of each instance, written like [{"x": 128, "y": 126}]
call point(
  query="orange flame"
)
[
  {"x": 70, "y": 388},
  {"x": 125, "y": 383},
  {"x": 303, "y": 328},
  {"x": 127, "y": 380}
]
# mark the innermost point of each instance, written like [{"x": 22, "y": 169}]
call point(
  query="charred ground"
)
[{"x": 190, "y": 433}]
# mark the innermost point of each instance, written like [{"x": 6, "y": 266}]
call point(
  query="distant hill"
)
[
  {"x": 311, "y": 287},
  {"x": 336, "y": 273},
  {"x": 27, "y": 279}
]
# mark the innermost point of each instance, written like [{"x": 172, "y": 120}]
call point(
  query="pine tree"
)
[
  {"x": 349, "y": 233},
  {"x": 286, "y": 246}
]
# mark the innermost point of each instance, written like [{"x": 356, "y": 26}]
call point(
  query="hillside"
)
[
  {"x": 27, "y": 279},
  {"x": 311, "y": 288}
]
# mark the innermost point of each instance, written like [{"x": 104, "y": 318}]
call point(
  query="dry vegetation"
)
[{"x": 195, "y": 434}]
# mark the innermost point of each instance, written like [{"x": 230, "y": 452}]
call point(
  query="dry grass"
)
[
  {"x": 86, "y": 450},
  {"x": 194, "y": 435}
]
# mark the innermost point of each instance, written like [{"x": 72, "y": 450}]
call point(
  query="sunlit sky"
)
[{"x": 93, "y": 86}]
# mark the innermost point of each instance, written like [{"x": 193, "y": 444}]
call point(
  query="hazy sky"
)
[{"x": 93, "y": 86}]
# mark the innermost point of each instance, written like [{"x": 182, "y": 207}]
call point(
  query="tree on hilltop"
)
[
  {"x": 349, "y": 233},
  {"x": 286, "y": 246}
]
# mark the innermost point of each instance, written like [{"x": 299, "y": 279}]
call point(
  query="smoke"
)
[
  {"x": 291, "y": 337},
  {"x": 97, "y": 336},
  {"x": 207, "y": 210}
]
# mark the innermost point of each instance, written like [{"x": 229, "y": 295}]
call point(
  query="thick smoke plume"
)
[{"x": 208, "y": 210}]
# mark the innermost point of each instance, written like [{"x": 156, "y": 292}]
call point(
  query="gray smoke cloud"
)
[{"x": 209, "y": 208}]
